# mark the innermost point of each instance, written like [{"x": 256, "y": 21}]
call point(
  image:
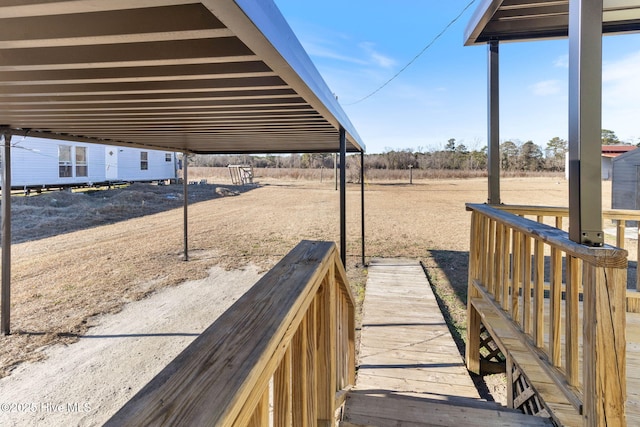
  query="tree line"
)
[{"x": 515, "y": 155}]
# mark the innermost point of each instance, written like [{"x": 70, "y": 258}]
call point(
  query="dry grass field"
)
[{"x": 60, "y": 281}]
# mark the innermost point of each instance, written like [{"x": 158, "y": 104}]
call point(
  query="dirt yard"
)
[{"x": 95, "y": 266}]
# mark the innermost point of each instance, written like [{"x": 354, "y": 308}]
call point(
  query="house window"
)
[
  {"x": 65, "y": 168},
  {"x": 144, "y": 160},
  {"x": 81, "y": 162},
  {"x": 167, "y": 157}
]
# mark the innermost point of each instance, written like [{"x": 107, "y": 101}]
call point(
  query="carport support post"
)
[
  {"x": 5, "y": 323},
  {"x": 362, "y": 203},
  {"x": 185, "y": 188},
  {"x": 343, "y": 196},
  {"x": 493, "y": 119},
  {"x": 585, "y": 122}
]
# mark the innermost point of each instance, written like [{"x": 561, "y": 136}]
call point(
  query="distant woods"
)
[{"x": 515, "y": 156}]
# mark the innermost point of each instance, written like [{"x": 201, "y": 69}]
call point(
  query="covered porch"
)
[{"x": 554, "y": 302}]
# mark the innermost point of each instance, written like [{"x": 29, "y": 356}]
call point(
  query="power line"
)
[{"x": 440, "y": 34}]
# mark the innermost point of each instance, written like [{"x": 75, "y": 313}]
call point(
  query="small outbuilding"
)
[
  {"x": 625, "y": 190},
  {"x": 609, "y": 153}
]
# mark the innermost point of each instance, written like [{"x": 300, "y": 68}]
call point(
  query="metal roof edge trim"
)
[
  {"x": 268, "y": 19},
  {"x": 481, "y": 16}
]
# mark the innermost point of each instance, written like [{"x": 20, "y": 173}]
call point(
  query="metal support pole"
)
[
  {"x": 362, "y": 204},
  {"x": 335, "y": 169},
  {"x": 343, "y": 196},
  {"x": 185, "y": 187},
  {"x": 585, "y": 122},
  {"x": 493, "y": 110},
  {"x": 5, "y": 323}
]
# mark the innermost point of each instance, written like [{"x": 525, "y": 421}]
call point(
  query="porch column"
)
[
  {"x": 585, "y": 122},
  {"x": 343, "y": 196},
  {"x": 185, "y": 188},
  {"x": 5, "y": 309},
  {"x": 493, "y": 120}
]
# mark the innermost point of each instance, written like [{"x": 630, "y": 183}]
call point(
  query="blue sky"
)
[{"x": 357, "y": 45}]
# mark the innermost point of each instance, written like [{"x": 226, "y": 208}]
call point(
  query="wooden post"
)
[
  {"x": 516, "y": 276},
  {"x": 282, "y": 392},
  {"x": 491, "y": 255},
  {"x": 572, "y": 320},
  {"x": 526, "y": 284},
  {"x": 327, "y": 333},
  {"x": 499, "y": 263},
  {"x": 620, "y": 229},
  {"x": 506, "y": 238},
  {"x": 299, "y": 387},
  {"x": 604, "y": 341},
  {"x": 555, "y": 299},
  {"x": 538, "y": 294},
  {"x": 5, "y": 323},
  {"x": 260, "y": 417}
]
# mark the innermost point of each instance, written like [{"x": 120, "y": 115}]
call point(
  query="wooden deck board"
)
[
  {"x": 633, "y": 369},
  {"x": 410, "y": 372},
  {"x": 406, "y": 345}
]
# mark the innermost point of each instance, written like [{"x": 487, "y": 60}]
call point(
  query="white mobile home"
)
[{"x": 38, "y": 163}]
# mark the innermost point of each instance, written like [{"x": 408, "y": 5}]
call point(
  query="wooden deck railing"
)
[
  {"x": 511, "y": 258},
  {"x": 619, "y": 218},
  {"x": 282, "y": 355}
]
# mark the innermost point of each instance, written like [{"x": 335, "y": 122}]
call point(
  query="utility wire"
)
[{"x": 440, "y": 34}]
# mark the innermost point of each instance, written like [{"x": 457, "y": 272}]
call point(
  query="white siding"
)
[{"x": 34, "y": 163}]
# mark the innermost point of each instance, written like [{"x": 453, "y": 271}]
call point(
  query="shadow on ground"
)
[{"x": 51, "y": 213}]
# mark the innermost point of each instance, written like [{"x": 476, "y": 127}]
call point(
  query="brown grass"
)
[{"x": 60, "y": 282}]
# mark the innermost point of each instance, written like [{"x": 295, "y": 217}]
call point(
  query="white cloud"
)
[
  {"x": 547, "y": 87},
  {"x": 562, "y": 61},
  {"x": 329, "y": 52},
  {"x": 376, "y": 57},
  {"x": 620, "y": 94}
]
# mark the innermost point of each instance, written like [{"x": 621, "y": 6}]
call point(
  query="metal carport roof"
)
[
  {"x": 209, "y": 76},
  {"x": 198, "y": 76},
  {"x": 506, "y": 20}
]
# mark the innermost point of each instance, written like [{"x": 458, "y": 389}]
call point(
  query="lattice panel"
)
[
  {"x": 489, "y": 350},
  {"x": 525, "y": 397}
]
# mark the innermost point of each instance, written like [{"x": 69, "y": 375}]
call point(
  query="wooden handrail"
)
[
  {"x": 612, "y": 214},
  {"x": 507, "y": 269},
  {"x": 618, "y": 216},
  {"x": 294, "y": 329}
]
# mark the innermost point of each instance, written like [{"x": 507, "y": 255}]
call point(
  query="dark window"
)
[
  {"x": 168, "y": 157},
  {"x": 144, "y": 160}
]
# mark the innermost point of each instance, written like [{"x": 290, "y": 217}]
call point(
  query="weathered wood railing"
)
[
  {"x": 619, "y": 217},
  {"x": 548, "y": 339},
  {"x": 282, "y": 355}
]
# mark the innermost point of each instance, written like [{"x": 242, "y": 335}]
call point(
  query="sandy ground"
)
[{"x": 86, "y": 382}]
